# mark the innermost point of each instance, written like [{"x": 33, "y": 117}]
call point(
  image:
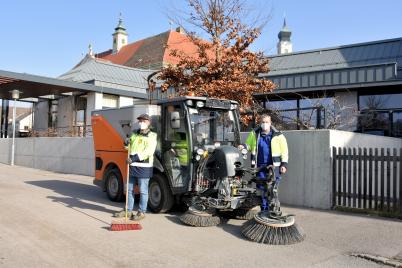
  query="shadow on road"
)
[
  {"x": 175, "y": 219},
  {"x": 76, "y": 195},
  {"x": 232, "y": 229}
]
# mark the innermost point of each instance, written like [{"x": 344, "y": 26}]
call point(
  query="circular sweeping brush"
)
[
  {"x": 198, "y": 218},
  {"x": 272, "y": 230}
]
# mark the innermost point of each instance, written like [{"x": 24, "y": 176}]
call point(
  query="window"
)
[
  {"x": 302, "y": 114},
  {"x": 376, "y": 102},
  {"x": 397, "y": 124},
  {"x": 80, "y": 117},
  {"x": 174, "y": 134},
  {"x": 374, "y": 122},
  {"x": 282, "y": 105}
]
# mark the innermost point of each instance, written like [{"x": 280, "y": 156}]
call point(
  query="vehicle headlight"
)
[
  {"x": 198, "y": 157},
  {"x": 200, "y": 151},
  {"x": 244, "y": 151},
  {"x": 244, "y": 156},
  {"x": 189, "y": 102},
  {"x": 217, "y": 144},
  {"x": 200, "y": 104}
]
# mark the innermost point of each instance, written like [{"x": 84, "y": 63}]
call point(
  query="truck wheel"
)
[
  {"x": 114, "y": 185},
  {"x": 160, "y": 196}
]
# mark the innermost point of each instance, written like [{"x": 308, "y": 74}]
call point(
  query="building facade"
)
[{"x": 355, "y": 87}]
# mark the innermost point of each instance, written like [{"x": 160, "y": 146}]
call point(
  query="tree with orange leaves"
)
[{"x": 223, "y": 66}]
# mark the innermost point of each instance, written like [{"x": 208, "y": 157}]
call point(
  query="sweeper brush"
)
[
  {"x": 124, "y": 225},
  {"x": 271, "y": 230},
  {"x": 197, "y": 218}
]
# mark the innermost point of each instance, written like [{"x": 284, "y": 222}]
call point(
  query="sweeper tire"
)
[
  {"x": 160, "y": 196},
  {"x": 114, "y": 185}
]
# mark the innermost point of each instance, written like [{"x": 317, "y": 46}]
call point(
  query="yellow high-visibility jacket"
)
[
  {"x": 279, "y": 147},
  {"x": 142, "y": 149}
]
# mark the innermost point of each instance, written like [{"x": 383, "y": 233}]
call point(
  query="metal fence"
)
[{"x": 368, "y": 179}]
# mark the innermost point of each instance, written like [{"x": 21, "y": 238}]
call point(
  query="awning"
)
[{"x": 34, "y": 86}]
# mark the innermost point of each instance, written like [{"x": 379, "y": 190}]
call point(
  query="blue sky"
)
[{"x": 48, "y": 37}]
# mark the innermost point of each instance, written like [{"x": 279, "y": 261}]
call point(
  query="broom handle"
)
[{"x": 127, "y": 179}]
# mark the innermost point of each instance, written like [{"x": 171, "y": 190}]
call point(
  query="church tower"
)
[
  {"x": 119, "y": 36},
  {"x": 284, "y": 43}
]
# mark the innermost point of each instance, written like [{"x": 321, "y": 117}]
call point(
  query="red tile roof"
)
[{"x": 152, "y": 52}]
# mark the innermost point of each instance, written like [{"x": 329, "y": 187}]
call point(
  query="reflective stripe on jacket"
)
[
  {"x": 279, "y": 146},
  {"x": 143, "y": 146}
]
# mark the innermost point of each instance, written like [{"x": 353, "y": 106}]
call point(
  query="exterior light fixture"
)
[{"x": 15, "y": 95}]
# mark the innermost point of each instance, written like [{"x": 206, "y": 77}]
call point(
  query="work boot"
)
[
  {"x": 139, "y": 216},
  {"x": 122, "y": 214}
]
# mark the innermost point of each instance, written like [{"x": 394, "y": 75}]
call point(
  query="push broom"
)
[{"x": 125, "y": 224}]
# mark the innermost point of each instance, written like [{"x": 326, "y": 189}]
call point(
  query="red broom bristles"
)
[{"x": 125, "y": 226}]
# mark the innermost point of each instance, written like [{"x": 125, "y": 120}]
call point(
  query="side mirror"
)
[{"x": 175, "y": 120}]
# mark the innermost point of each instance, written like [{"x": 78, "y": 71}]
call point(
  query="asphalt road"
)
[{"x": 61, "y": 220}]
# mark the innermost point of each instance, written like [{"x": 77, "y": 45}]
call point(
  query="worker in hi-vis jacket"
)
[
  {"x": 268, "y": 146},
  {"x": 141, "y": 146}
]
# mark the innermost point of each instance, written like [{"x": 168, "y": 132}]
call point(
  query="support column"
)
[{"x": 4, "y": 119}]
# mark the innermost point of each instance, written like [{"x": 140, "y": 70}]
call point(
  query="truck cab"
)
[{"x": 188, "y": 129}]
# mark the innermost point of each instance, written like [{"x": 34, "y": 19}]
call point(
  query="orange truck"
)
[{"x": 196, "y": 162}]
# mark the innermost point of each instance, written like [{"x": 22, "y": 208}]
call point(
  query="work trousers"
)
[{"x": 143, "y": 187}]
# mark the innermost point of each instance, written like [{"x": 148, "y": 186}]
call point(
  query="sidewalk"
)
[{"x": 61, "y": 220}]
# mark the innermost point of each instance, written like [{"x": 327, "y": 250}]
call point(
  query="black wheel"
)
[
  {"x": 160, "y": 198},
  {"x": 114, "y": 185}
]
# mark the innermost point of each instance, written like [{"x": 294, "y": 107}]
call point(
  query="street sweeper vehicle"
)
[{"x": 197, "y": 161}]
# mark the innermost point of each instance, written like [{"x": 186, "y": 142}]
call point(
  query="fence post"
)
[
  {"x": 394, "y": 184},
  {"x": 382, "y": 178},
  {"x": 349, "y": 191},
  {"x": 370, "y": 195},
  {"x": 354, "y": 178},
  {"x": 400, "y": 181},
  {"x": 334, "y": 176},
  {"x": 365, "y": 159},
  {"x": 344, "y": 153},
  {"x": 339, "y": 176},
  {"x": 388, "y": 179},
  {"x": 360, "y": 178},
  {"x": 375, "y": 179}
]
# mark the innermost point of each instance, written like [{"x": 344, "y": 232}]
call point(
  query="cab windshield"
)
[{"x": 212, "y": 126}]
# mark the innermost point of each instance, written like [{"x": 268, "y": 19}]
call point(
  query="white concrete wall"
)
[
  {"x": 65, "y": 155},
  {"x": 308, "y": 180},
  {"x": 350, "y": 139},
  {"x": 125, "y": 101}
]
